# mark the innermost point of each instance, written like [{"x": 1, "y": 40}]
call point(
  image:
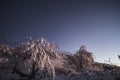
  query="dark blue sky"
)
[{"x": 69, "y": 23}]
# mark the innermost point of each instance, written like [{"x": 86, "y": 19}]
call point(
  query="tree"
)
[{"x": 119, "y": 56}]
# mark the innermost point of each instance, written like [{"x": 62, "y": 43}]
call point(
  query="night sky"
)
[{"x": 68, "y": 23}]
